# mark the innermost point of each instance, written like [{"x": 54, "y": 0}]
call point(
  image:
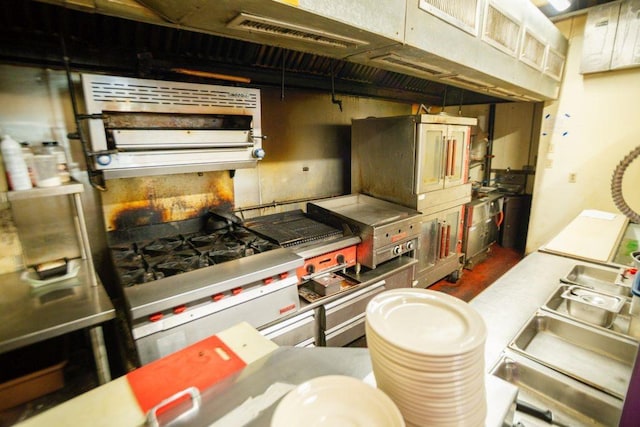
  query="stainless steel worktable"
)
[
  {"x": 249, "y": 399},
  {"x": 29, "y": 315}
]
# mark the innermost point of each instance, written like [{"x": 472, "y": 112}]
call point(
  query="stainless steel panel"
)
[
  {"x": 257, "y": 312},
  {"x": 571, "y": 402},
  {"x": 294, "y": 331},
  {"x": 172, "y": 291},
  {"x": 620, "y": 326},
  {"x": 346, "y": 308},
  {"x": 589, "y": 355},
  {"x": 345, "y": 334}
]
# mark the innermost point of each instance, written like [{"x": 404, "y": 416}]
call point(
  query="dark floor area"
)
[
  {"x": 483, "y": 274},
  {"x": 79, "y": 375}
]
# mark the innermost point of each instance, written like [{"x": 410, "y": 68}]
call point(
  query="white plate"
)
[
  {"x": 396, "y": 356},
  {"x": 426, "y": 322},
  {"x": 336, "y": 400}
]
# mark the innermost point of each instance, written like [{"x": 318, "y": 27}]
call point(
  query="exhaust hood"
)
[{"x": 503, "y": 48}]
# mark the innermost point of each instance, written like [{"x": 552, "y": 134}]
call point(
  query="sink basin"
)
[
  {"x": 594, "y": 357},
  {"x": 571, "y": 402}
]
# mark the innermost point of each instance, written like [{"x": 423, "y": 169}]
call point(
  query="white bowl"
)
[{"x": 336, "y": 400}]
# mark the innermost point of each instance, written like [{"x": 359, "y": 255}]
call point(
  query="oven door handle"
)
[
  {"x": 443, "y": 238},
  {"x": 452, "y": 167},
  {"x": 196, "y": 399}
]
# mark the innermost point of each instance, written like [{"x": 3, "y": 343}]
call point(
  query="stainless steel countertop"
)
[
  {"x": 511, "y": 300},
  {"x": 29, "y": 315},
  {"x": 240, "y": 399}
]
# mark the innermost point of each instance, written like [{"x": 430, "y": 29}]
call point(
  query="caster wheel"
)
[{"x": 454, "y": 276}]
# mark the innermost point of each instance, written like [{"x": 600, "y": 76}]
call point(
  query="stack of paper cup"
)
[{"x": 427, "y": 354}]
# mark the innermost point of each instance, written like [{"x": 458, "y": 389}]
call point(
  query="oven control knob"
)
[
  {"x": 397, "y": 250},
  {"x": 103, "y": 159},
  {"x": 340, "y": 259},
  {"x": 258, "y": 153},
  {"x": 311, "y": 269},
  {"x": 409, "y": 246}
]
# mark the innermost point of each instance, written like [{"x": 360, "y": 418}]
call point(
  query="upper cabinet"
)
[
  {"x": 504, "y": 48},
  {"x": 611, "y": 37}
]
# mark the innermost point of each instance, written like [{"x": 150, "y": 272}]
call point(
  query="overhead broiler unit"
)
[{"x": 140, "y": 127}]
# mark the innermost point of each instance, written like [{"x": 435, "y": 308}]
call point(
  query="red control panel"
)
[{"x": 318, "y": 264}]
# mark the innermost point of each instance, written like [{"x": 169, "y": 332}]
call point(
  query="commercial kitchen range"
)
[{"x": 188, "y": 280}]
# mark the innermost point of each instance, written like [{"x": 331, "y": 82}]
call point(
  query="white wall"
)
[{"x": 593, "y": 124}]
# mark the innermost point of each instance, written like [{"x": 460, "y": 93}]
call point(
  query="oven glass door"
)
[{"x": 430, "y": 153}]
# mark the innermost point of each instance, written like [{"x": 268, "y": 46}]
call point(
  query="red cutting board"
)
[{"x": 200, "y": 365}]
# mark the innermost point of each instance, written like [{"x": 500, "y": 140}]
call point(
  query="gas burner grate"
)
[{"x": 145, "y": 261}]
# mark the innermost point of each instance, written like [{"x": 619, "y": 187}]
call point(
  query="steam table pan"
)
[
  {"x": 589, "y": 355},
  {"x": 611, "y": 281},
  {"x": 620, "y": 326},
  {"x": 570, "y": 401}
]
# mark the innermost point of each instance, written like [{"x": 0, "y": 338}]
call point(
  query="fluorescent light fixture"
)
[{"x": 560, "y": 5}]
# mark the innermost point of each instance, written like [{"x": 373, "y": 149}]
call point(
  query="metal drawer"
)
[
  {"x": 346, "y": 333},
  {"x": 342, "y": 310},
  {"x": 300, "y": 329}
]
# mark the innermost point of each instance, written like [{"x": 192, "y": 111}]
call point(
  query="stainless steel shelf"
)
[
  {"x": 29, "y": 315},
  {"x": 37, "y": 192}
]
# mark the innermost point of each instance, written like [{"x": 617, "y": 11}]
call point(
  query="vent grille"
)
[
  {"x": 257, "y": 24},
  {"x": 461, "y": 13},
  {"x": 532, "y": 51},
  {"x": 554, "y": 65},
  {"x": 502, "y": 92},
  {"x": 169, "y": 96},
  {"x": 501, "y": 31},
  {"x": 469, "y": 82},
  {"x": 421, "y": 68}
]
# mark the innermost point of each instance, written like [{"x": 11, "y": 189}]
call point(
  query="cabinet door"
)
[
  {"x": 430, "y": 151},
  {"x": 456, "y": 157}
]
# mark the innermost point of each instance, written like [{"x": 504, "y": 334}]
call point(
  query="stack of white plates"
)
[
  {"x": 427, "y": 354},
  {"x": 336, "y": 400}
]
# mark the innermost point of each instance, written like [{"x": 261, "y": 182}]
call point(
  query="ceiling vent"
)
[
  {"x": 420, "y": 68},
  {"x": 554, "y": 64},
  {"x": 258, "y": 24},
  {"x": 468, "y": 82},
  {"x": 460, "y": 13},
  {"x": 501, "y": 31},
  {"x": 532, "y": 51}
]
